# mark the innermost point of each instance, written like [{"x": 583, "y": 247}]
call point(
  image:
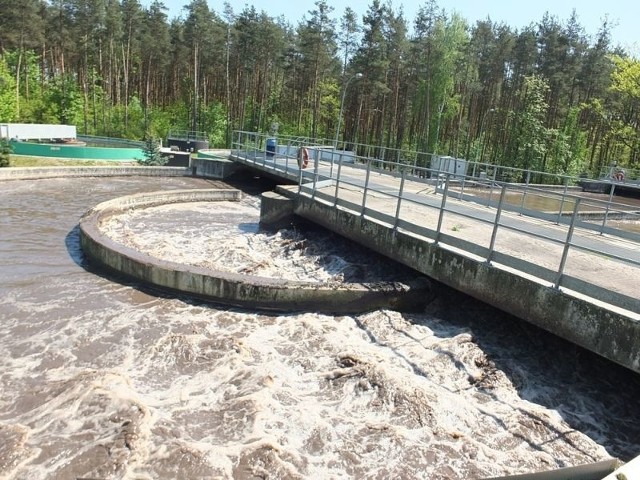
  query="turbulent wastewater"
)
[{"x": 102, "y": 379}]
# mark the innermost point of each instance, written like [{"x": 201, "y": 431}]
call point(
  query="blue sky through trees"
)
[{"x": 624, "y": 15}]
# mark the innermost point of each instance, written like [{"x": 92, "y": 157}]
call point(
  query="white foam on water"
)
[
  {"x": 103, "y": 380},
  {"x": 224, "y": 236}
]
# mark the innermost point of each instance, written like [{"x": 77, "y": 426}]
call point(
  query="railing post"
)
[
  {"x": 606, "y": 212},
  {"x": 338, "y": 181},
  {"x": 286, "y": 156},
  {"x": 445, "y": 192},
  {"x": 333, "y": 154},
  {"x": 496, "y": 223},
  {"x": 567, "y": 244},
  {"x": 315, "y": 175},
  {"x": 438, "y": 175},
  {"x": 493, "y": 182},
  {"x": 397, "y": 219},
  {"x": 464, "y": 179},
  {"x": 564, "y": 195},
  {"x": 255, "y": 147},
  {"x": 524, "y": 193},
  {"x": 366, "y": 185},
  {"x": 300, "y": 176}
]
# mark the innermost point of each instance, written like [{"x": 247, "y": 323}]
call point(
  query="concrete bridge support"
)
[{"x": 276, "y": 211}]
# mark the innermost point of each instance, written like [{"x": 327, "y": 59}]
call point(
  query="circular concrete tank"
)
[{"x": 247, "y": 291}]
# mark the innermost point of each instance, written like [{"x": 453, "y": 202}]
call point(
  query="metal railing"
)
[
  {"x": 628, "y": 174},
  {"x": 96, "y": 141},
  {"x": 188, "y": 135},
  {"x": 385, "y": 191}
]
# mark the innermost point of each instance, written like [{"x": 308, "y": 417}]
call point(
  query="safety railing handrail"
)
[
  {"x": 110, "y": 141},
  {"x": 610, "y": 208},
  {"x": 450, "y": 187},
  {"x": 410, "y": 158},
  {"x": 188, "y": 135}
]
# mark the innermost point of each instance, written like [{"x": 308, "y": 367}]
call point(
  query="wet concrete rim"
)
[{"x": 245, "y": 291}]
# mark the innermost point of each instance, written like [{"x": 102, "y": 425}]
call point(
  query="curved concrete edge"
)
[
  {"x": 246, "y": 291},
  {"x": 35, "y": 173},
  {"x": 627, "y": 471},
  {"x": 611, "y": 333},
  {"x": 591, "y": 471}
]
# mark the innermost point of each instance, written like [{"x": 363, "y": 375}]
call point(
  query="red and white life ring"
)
[
  {"x": 619, "y": 176},
  {"x": 303, "y": 157}
]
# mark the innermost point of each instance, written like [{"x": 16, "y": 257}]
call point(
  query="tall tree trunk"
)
[
  {"x": 18, "y": 69},
  {"x": 194, "y": 119}
]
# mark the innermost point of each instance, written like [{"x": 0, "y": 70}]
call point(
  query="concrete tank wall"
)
[
  {"x": 76, "y": 152},
  {"x": 212, "y": 167},
  {"x": 232, "y": 289},
  {"x": 23, "y": 173},
  {"x": 276, "y": 211}
]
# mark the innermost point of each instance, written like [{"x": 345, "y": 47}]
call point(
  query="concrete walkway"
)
[
  {"x": 531, "y": 246},
  {"x": 599, "y": 259}
]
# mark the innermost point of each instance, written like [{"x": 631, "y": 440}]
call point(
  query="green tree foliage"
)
[
  {"x": 317, "y": 46},
  {"x": 63, "y": 102},
  {"x": 347, "y": 36},
  {"x": 530, "y": 137},
  {"x": 7, "y": 93},
  {"x": 567, "y": 152},
  {"x": 151, "y": 151},
  {"x": 626, "y": 86},
  {"x": 548, "y": 96},
  {"x": 371, "y": 59},
  {"x": 5, "y": 153},
  {"x": 21, "y": 30},
  {"x": 436, "y": 53}
]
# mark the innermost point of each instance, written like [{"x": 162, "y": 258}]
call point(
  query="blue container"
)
[{"x": 271, "y": 147}]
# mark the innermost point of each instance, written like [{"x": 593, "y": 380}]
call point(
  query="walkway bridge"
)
[{"x": 566, "y": 261}]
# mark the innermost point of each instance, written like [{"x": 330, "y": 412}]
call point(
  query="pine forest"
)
[{"x": 550, "y": 97}]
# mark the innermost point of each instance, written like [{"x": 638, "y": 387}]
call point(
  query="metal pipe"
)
[
  {"x": 567, "y": 244},
  {"x": 397, "y": 219},
  {"x": 564, "y": 195},
  {"x": 496, "y": 222},
  {"x": 493, "y": 182},
  {"x": 442, "y": 208},
  {"x": 524, "y": 193},
  {"x": 606, "y": 212},
  {"x": 366, "y": 185}
]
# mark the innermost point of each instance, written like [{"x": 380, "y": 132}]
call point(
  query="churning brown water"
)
[{"x": 106, "y": 380}]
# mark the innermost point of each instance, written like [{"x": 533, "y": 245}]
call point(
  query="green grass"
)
[{"x": 24, "y": 161}]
